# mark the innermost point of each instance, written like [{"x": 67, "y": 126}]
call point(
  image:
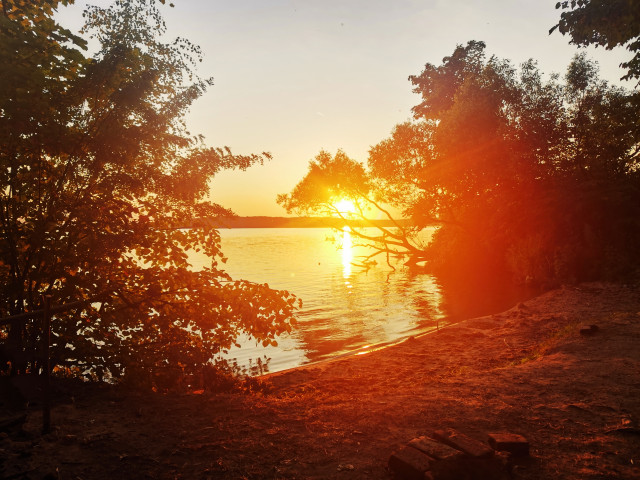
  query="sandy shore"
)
[{"x": 528, "y": 370}]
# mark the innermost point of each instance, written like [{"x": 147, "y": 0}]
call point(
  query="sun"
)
[{"x": 345, "y": 206}]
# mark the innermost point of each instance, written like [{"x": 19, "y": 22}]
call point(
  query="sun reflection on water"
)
[
  {"x": 344, "y": 309},
  {"x": 347, "y": 252}
]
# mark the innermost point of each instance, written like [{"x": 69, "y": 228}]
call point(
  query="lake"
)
[{"x": 345, "y": 308}]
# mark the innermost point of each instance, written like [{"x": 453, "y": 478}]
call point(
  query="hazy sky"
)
[{"x": 293, "y": 77}]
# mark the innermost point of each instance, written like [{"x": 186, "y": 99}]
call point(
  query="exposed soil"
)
[{"x": 529, "y": 370}]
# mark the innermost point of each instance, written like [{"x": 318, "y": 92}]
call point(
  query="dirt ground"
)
[{"x": 529, "y": 370}]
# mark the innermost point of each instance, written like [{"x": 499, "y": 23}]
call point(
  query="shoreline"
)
[
  {"x": 527, "y": 370},
  {"x": 368, "y": 349},
  {"x": 364, "y": 350},
  {"x": 442, "y": 323}
]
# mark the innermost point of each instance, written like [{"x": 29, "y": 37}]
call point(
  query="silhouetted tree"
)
[
  {"x": 99, "y": 177},
  {"x": 331, "y": 179},
  {"x": 608, "y": 23},
  {"x": 530, "y": 178}
]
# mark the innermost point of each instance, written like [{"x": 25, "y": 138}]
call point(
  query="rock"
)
[
  {"x": 68, "y": 439},
  {"x": 409, "y": 464},
  {"x": 515, "y": 444},
  {"x": 588, "y": 330},
  {"x": 459, "y": 441}
]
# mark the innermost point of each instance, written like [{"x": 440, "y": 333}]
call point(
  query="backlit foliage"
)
[
  {"x": 532, "y": 178},
  {"x": 99, "y": 181}
]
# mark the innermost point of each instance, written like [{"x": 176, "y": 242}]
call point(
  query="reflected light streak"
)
[{"x": 347, "y": 252}]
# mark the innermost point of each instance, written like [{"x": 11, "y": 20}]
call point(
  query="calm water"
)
[{"x": 344, "y": 307}]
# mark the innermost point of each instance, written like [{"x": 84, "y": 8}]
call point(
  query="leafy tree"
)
[
  {"x": 99, "y": 179},
  {"x": 607, "y": 23},
  {"x": 332, "y": 179},
  {"x": 533, "y": 179}
]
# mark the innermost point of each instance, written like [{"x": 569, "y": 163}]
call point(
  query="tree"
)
[
  {"x": 607, "y": 23},
  {"x": 331, "y": 180},
  {"x": 532, "y": 179},
  {"x": 99, "y": 180}
]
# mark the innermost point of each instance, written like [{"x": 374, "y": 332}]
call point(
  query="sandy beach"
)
[{"x": 528, "y": 370}]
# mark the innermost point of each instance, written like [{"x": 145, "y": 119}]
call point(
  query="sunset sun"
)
[{"x": 345, "y": 206}]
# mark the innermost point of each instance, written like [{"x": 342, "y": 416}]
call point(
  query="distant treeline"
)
[{"x": 298, "y": 222}]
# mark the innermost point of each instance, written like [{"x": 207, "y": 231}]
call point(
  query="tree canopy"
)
[
  {"x": 606, "y": 23},
  {"x": 534, "y": 178},
  {"x": 99, "y": 179}
]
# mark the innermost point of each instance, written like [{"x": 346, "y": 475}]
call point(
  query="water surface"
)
[{"x": 344, "y": 307}]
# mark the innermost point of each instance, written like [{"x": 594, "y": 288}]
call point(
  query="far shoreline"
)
[{"x": 301, "y": 222}]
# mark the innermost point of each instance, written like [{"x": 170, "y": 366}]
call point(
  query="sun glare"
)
[{"x": 345, "y": 206}]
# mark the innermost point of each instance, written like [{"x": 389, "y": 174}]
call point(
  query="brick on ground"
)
[
  {"x": 515, "y": 444},
  {"x": 435, "y": 449},
  {"x": 459, "y": 441},
  {"x": 409, "y": 464},
  {"x": 588, "y": 330}
]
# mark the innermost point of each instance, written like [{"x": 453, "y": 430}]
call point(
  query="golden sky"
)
[{"x": 296, "y": 76}]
